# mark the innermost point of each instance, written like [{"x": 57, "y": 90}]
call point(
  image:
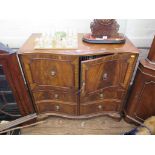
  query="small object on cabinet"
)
[
  {"x": 65, "y": 39},
  {"x": 104, "y": 31}
]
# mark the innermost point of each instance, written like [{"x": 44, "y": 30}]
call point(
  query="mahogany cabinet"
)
[
  {"x": 13, "y": 89},
  {"x": 89, "y": 81}
]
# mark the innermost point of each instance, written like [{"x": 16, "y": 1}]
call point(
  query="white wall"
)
[
  {"x": 141, "y": 31},
  {"x": 15, "y": 32}
]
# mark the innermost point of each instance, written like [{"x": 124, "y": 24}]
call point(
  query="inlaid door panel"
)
[
  {"x": 48, "y": 71},
  {"x": 141, "y": 100},
  {"x": 145, "y": 105},
  {"x": 104, "y": 72},
  {"x": 15, "y": 100}
]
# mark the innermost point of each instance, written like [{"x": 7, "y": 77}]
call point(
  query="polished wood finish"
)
[
  {"x": 99, "y": 73},
  {"x": 91, "y": 80},
  {"x": 52, "y": 81},
  {"x": 57, "y": 107},
  {"x": 151, "y": 55},
  {"x": 100, "y": 107},
  {"x": 141, "y": 100},
  {"x": 83, "y": 48},
  {"x": 13, "y": 74},
  {"x": 46, "y": 71}
]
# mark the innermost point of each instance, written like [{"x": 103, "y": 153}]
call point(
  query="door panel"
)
[
  {"x": 141, "y": 102},
  {"x": 113, "y": 70},
  {"x": 52, "y": 72},
  {"x": 145, "y": 106},
  {"x": 14, "y": 97},
  {"x": 46, "y": 71}
]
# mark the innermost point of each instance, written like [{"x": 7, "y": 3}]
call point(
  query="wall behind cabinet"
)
[{"x": 15, "y": 32}]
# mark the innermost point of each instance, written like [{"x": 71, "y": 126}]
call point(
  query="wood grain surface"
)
[
  {"x": 83, "y": 48},
  {"x": 141, "y": 103}
]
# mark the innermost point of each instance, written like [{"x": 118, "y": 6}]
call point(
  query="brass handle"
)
[
  {"x": 132, "y": 56},
  {"x": 57, "y": 107},
  {"x": 101, "y": 96},
  {"x": 100, "y": 107},
  {"x": 105, "y": 76},
  {"x": 83, "y": 87},
  {"x": 53, "y": 73},
  {"x": 56, "y": 96}
]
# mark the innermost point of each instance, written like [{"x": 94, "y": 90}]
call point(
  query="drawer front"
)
[
  {"x": 45, "y": 71},
  {"x": 104, "y": 94},
  {"x": 54, "y": 95},
  {"x": 56, "y": 107},
  {"x": 99, "y": 107}
]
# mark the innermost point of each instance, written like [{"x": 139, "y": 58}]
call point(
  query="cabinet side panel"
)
[{"x": 141, "y": 104}]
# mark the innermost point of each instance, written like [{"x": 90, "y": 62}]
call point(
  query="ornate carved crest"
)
[{"x": 104, "y": 27}]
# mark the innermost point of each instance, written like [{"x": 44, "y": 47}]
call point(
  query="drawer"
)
[
  {"x": 99, "y": 107},
  {"x": 54, "y": 95},
  {"x": 56, "y": 107},
  {"x": 109, "y": 93}
]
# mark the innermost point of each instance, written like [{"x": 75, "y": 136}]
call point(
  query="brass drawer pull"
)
[
  {"x": 132, "y": 56},
  {"x": 56, "y": 96},
  {"x": 101, "y": 96},
  {"x": 53, "y": 73},
  {"x": 105, "y": 76},
  {"x": 57, "y": 107},
  {"x": 100, "y": 107}
]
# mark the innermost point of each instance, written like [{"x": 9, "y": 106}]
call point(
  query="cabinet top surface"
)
[{"x": 83, "y": 48}]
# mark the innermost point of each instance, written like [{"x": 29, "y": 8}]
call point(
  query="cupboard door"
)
[
  {"x": 45, "y": 71},
  {"x": 141, "y": 101},
  {"x": 14, "y": 96},
  {"x": 145, "y": 105},
  {"x": 107, "y": 71}
]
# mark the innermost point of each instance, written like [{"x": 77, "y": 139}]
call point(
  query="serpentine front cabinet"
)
[{"x": 89, "y": 81}]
